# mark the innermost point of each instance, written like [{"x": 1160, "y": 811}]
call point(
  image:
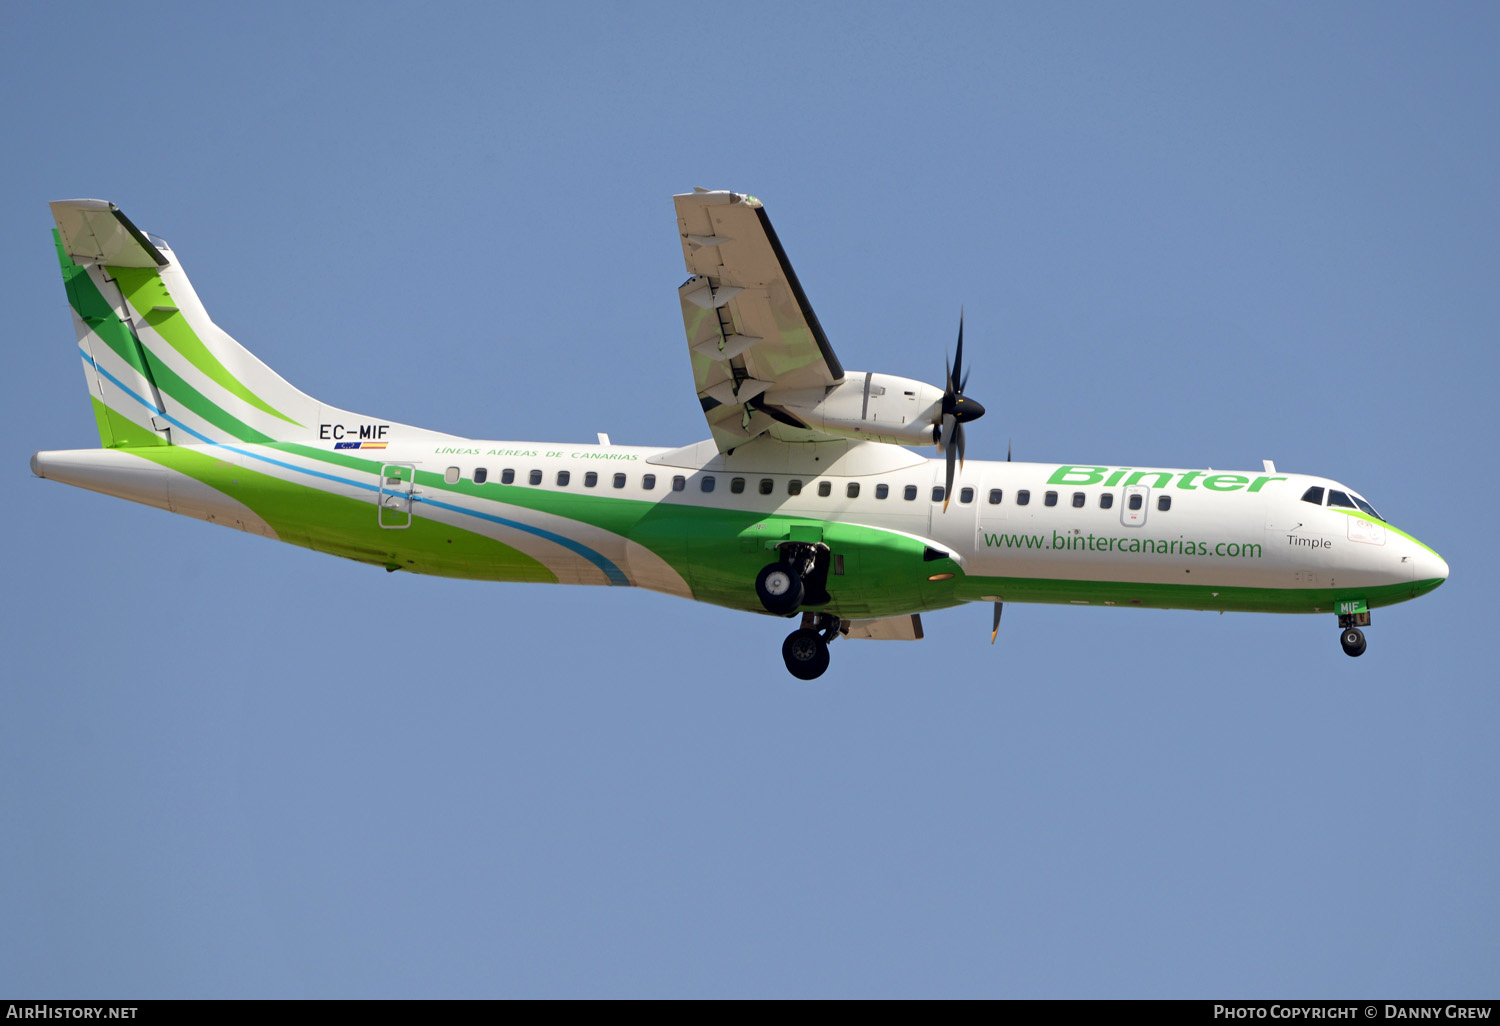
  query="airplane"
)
[{"x": 807, "y": 500}]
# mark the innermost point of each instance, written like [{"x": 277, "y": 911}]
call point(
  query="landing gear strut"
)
[{"x": 805, "y": 650}]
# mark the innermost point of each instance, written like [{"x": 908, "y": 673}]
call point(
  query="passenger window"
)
[
  {"x": 1050, "y": 499},
  {"x": 966, "y": 495},
  {"x": 1023, "y": 497},
  {"x": 1078, "y": 500},
  {"x": 825, "y": 488},
  {"x": 535, "y": 477},
  {"x": 881, "y": 491},
  {"x": 736, "y": 485},
  {"x": 648, "y": 483},
  {"x": 1314, "y": 495},
  {"x": 590, "y": 479},
  {"x": 507, "y": 476},
  {"x": 1338, "y": 498},
  {"x": 852, "y": 490},
  {"x": 1135, "y": 502},
  {"x": 481, "y": 475},
  {"x": 794, "y": 487},
  {"x": 451, "y": 475},
  {"x": 937, "y": 493},
  {"x": 620, "y": 481},
  {"x": 708, "y": 483},
  {"x": 1163, "y": 502},
  {"x": 1107, "y": 500},
  {"x": 995, "y": 496},
  {"x": 766, "y": 486},
  {"x": 678, "y": 483},
  {"x": 910, "y": 493},
  {"x": 563, "y": 477}
]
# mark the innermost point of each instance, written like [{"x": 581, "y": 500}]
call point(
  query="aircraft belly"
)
[
  {"x": 648, "y": 570},
  {"x": 334, "y": 514},
  {"x": 191, "y": 497}
]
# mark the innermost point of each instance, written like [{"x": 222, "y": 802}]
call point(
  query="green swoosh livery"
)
[{"x": 807, "y": 502}]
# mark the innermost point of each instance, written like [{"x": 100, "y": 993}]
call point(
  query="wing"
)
[{"x": 750, "y": 328}]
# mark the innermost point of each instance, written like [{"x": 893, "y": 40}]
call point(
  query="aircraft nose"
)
[{"x": 1428, "y": 567}]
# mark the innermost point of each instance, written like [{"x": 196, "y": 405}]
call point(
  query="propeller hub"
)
[{"x": 963, "y": 408}]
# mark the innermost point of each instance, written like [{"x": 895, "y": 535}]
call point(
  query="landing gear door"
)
[
  {"x": 397, "y": 482},
  {"x": 1133, "y": 509}
]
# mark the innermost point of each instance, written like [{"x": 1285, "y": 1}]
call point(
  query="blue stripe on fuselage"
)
[{"x": 611, "y": 572}]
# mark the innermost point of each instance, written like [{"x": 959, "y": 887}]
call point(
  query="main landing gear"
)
[
  {"x": 798, "y": 578},
  {"x": 780, "y": 589},
  {"x": 805, "y": 650}
]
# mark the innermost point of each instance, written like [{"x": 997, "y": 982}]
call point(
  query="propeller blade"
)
[
  {"x": 951, "y": 428},
  {"x": 958, "y": 356},
  {"x": 948, "y": 489},
  {"x": 1007, "y": 450},
  {"x": 948, "y": 433},
  {"x": 995, "y": 627}
]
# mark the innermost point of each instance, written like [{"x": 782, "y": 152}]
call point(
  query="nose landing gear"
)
[
  {"x": 1353, "y": 640},
  {"x": 1350, "y": 622}
]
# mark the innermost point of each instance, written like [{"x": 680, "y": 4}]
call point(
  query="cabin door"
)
[{"x": 394, "y": 497}]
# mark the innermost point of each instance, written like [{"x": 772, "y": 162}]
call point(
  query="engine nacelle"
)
[{"x": 873, "y": 407}]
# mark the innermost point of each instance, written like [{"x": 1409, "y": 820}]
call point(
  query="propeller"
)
[
  {"x": 995, "y": 627},
  {"x": 957, "y": 410}
]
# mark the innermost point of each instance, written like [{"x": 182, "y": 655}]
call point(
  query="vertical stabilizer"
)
[
  {"x": 114, "y": 364},
  {"x": 159, "y": 370}
]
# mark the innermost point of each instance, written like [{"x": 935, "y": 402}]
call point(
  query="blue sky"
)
[{"x": 1183, "y": 235}]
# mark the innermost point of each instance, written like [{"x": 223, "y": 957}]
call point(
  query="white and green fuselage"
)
[
  {"x": 610, "y": 515},
  {"x": 191, "y": 422}
]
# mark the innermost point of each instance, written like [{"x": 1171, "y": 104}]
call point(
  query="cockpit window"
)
[
  {"x": 1362, "y": 504},
  {"x": 1349, "y": 500},
  {"x": 1314, "y": 495}
]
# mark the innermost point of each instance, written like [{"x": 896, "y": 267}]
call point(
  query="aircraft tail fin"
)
[{"x": 159, "y": 370}]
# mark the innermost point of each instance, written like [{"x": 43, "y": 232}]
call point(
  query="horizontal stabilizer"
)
[{"x": 96, "y": 232}]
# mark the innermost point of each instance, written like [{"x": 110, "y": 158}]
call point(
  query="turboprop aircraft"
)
[{"x": 807, "y": 499}]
